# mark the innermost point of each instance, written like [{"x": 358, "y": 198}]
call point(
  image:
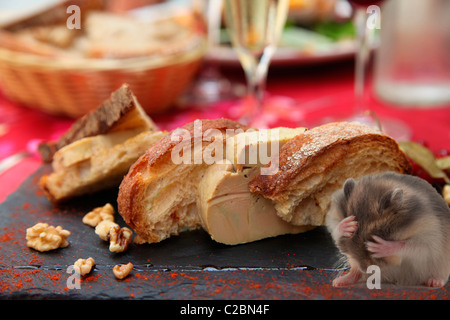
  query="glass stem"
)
[
  {"x": 255, "y": 88},
  {"x": 364, "y": 38},
  {"x": 256, "y": 77}
]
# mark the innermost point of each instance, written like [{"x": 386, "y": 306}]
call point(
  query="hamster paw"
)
[
  {"x": 435, "y": 283},
  {"x": 347, "y": 227},
  {"x": 381, "y": 248},
  {"x": 347, "y": 279}
]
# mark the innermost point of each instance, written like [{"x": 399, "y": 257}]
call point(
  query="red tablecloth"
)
[{"x": 320, "y": 91}]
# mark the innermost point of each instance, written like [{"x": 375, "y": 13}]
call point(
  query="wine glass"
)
[
  {"x": 211, "y": 85},
  {"x": 365, "y": 37},
  {"x": 255, "y": 27}
]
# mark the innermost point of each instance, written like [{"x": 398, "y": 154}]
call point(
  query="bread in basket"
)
[{"x": 70, "y": 72}]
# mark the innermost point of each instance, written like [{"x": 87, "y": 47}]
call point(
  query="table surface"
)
[{"x": 320, "y": 91}]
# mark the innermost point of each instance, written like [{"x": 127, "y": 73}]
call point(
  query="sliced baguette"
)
[
  {"x": 95, "y": 163},
  {"x": 157, "y": 198},
  {"x": 120, "y": 112},
  {"x": 119, "y": 36},
  {"x": 313, "y": 165},
  {"x": 99, "y": 148}
]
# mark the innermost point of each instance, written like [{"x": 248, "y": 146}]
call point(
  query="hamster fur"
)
[{"x": 399, "y": 223}]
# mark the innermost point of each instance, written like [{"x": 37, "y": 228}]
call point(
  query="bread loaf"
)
[
  {"x": 313, "y": 165},
  {"x": 118, "y": 36},
  {"x": 120, "y": 112},
  {"x": 98, "y": 163},
  {"x": 157, "y": 198},
  {"x": 99, "y": 148}
]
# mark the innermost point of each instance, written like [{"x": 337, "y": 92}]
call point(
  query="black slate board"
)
[{"x": 188, "y": 266}]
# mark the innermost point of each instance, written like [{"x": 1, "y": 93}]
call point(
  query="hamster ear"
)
[
  {"x": 392, "y": 199},
  {"x": 349, "y": 185}
]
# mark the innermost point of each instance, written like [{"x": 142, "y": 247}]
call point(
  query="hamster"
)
[{"x": 399, "y": 223}]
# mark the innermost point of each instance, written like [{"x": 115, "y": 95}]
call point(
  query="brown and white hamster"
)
[{"x": 399, "y": 223}]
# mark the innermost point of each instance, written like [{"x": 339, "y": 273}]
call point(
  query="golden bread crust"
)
[
  {"x": 98, "y": 121},
  {"x": 102, "y": 167},
  {"x": 147, "y": 174},
  {"x": 304, "y": 150},
  {"x": 315, "y": 164}
]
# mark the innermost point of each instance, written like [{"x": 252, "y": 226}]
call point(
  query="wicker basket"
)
[{"x": 74, "y": 87}]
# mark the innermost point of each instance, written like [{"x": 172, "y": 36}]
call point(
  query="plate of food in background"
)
[{"x": 316, "y": 31}]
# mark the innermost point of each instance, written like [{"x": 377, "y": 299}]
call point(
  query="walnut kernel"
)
[
  {"x": 105, "y": 213},
  {"x": 84, "y": 266},
  {"x": 121, "y": 271},
  {"x": 103, "y": 229},
  {"x": 43, "y": 237},
  {"x": 119, "y": 239}
]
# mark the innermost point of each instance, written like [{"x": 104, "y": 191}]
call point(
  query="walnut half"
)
[
  {"x": 119, "y": 239},
  {"x": 121, "y": 271},
  {"x": 105, "y": 213},
  {"x": 43, "y": 237},
  {"x": 103, "y": 229},
  {"x": 84, "y": 266}
]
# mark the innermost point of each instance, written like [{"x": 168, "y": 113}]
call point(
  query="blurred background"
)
[
  {"x": 316, "y": 31},
  {"x": 333, "y": 60}
]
